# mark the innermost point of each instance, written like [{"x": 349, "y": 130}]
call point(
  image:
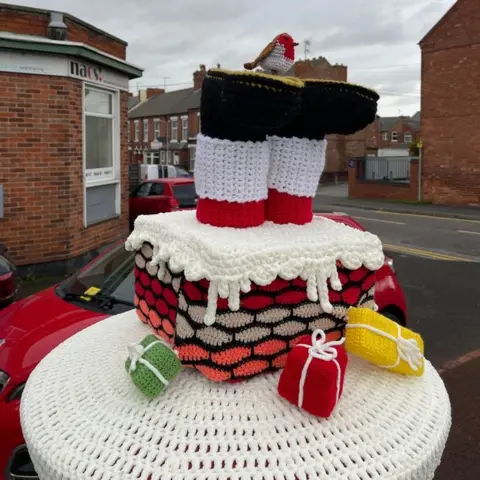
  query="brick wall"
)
[
  {"x": 320, "y": 68},
  {"x": 383, "y": 190},
  {"x": 193, "y": 123},
  {"x": 42, "y": 170},
  {"x": 28, "y": 21},
  {"x": 451, "y": 107}
]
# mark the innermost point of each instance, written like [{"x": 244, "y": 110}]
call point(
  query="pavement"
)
[{"x": 337, "y": 195}]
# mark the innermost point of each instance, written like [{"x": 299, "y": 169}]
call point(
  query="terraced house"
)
[
  {"x": 397, "y": 135},
  {"x": 163, "y": 126}
]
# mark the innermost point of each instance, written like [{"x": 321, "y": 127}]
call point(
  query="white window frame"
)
[
  {"x": 192, "y": 154},
  {"x": 185, "y": 128},
  {"x": 145, "y": 130},
  {"x": 199, "y": 122},
  {"x": 407, "y": 135},
  {"x": 156, "y": 128},
  {"x": 385, "y": 136},
  {"x": 113, "y": 176},
  {"x": 174, "y": 128},
  {"x": 136, "y": 124},
  {"x": 162, "y": 157},
  {"x": 394, "y": 136}
]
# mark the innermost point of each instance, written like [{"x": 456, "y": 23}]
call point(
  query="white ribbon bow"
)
[
  {"x": 407, "y": 349},
  {"x": 321, "y": 350},
  {"x": 135, "y": 353}
]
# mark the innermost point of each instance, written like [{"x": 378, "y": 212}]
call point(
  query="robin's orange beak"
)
[{"x": 295, "y": 44}]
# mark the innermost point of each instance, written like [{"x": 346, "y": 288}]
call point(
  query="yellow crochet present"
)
[{"x": 383, "y": 342}]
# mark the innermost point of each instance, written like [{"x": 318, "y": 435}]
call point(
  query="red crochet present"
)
[{"x": 314, "y": 374}]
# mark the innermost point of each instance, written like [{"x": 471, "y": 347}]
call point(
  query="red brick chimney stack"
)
[
  {"x": 154, "y": 91},
  {"x": 198, "y": 77}
]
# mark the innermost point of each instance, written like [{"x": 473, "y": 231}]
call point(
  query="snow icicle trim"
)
[{"x": 232, "y": 258}]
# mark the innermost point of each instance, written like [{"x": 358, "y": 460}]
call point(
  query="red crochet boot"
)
[{"x": 296, "y": 165}]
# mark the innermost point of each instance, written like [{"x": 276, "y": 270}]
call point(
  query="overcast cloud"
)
[{"x": 376, "y": 39}]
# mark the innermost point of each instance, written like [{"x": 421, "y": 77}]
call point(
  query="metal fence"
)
[{"x": 384, "y": 169}]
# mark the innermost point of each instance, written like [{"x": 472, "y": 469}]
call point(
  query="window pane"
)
[
  {"x": 98, "y": 102},
  {"x": 99, "y": 142},
  {"x": 185, "y": 194},
  {"x": 101, "y": 203},
  {"x": 143, "y": 190},
  {"x": 157, "y": 189}
]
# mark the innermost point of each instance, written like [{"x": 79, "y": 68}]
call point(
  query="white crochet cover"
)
[
  {"x": 233, "y": 258},
  {"x": 277, "y": 61},
  {"x": 231, "y": 171},
  {"x": 83, "y": 418},
  {"x": 296, "y": 165}
]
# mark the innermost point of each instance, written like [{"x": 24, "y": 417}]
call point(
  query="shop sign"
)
[
  {"x": 96, "y": 74},
  {"x": 86, "y": 72},
  {"x": 34, "y": 64}
]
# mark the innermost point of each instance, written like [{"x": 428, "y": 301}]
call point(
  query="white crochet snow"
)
[
  {"x": 231, "y": 171},
  {"x": 232, "y": 258},
  {"x": 296, "y": 165},
  {"x": 84, "y": 419}
]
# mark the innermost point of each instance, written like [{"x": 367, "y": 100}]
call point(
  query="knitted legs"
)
[
  {"x": 296, "y": 165},
  {"x": 231, "y": 181},
  {"x": 238, "y": 110}
]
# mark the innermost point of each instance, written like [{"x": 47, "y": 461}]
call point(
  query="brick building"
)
[
  {"x": 163, "y": 128},
  {"x": 63, "y": 136},
  {"x": 451, "y": 107},
  {"x": 397, "y": 134}
]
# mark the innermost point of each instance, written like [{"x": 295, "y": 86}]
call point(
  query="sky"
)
[{"x": 376, "y": 39}]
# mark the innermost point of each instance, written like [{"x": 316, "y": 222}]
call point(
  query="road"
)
[{"x": 433, "y": 237}]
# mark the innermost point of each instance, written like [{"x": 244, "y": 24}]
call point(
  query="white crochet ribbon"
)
[
  {"x": 135, "y": 353},
  {"x": 321, "y": 350},
  {"x": 407, "y": 349}
]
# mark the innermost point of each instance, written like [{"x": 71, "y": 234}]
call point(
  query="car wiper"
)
[{"x": 105, "y": 301}]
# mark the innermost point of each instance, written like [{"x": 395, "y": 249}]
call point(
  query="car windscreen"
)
[
  {"x": 180, "y": 172},
  {"x": 109, "y": 276},
  {"x": 185, "y": 194}
]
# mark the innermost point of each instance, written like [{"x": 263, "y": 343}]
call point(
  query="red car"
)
[
  {"x": 8, "y": 279},
  {"x": 162, "y": 195},
  {"x": 32, "y": 327}
]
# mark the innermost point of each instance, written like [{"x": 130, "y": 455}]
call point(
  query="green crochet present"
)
[{"x": 152, "y": 364}]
